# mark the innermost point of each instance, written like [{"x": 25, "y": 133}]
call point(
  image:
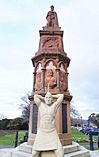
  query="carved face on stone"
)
[
  {"x": 49, "y": 72},
  {"x": 48, "y": 98}
]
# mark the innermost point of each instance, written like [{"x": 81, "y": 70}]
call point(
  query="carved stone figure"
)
[
  {"x": 52, "y": 19},
  {"x": 38, "y": 77},
  {"x": 51, "y": 65},
  {"x": 50, "y": 78},
  {"x": 38, "y": 81},
  {"x": 63, "y": 79},
  {"x": 63, "y": 83},
  {"x": 47, "y": 138}
]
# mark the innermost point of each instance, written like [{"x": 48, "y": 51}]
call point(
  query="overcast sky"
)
[{"x": 20, "y": 22}]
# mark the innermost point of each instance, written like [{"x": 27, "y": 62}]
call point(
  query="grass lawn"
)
[
  {"x": 9, "y": 139},
  {"x": 83, "y": 139}
]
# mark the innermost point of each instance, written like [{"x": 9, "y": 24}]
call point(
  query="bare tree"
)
[
  {"x": 25, "y": 106},
  {"x": 73, "y": 111},
  {"x": 1, "y": 116},
  {"x": 75, "y": 116}
]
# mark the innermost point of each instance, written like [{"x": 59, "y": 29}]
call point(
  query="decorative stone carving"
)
[
  {"x": 50, "y": 79},
  {"x": 50, "y": 76},
  {"x": 39, "y": 68},
  {"x": 63, "y": 83},
  {"x": 62, "y": 68},
  {"x": 52, "y": 19},
  {"x": 47, "y": 138},
  {"x": 51, "y": 43},
  {"x": 50, "y": 65},
  {"x": 38, "y": 78}
]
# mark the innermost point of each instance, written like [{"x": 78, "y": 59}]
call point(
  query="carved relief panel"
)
[
  {"x": 63, "y": 75},
  {"x": 50, "y": 76},
  {"x": 38, "y": 77},
  {"x": 51, "y": 43}
]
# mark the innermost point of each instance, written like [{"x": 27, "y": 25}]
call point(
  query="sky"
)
[{"x": 20, "y": 22}]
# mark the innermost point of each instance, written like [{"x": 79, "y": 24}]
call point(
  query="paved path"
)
[
  {"x": 5, "y": 151},
  {"x": 4, "y": 147},
  {"x": 94, "y": 153}
]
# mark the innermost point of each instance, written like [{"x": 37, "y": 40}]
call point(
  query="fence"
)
[
  {"x": 91, "y": 142},
  {"x": 11, "y": 138}
]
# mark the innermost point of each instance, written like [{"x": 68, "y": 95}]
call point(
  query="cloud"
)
[
  {"x": 81, "y": 44},
  {"x": 15, "y": 11},
  {"x": 15, "y": 79}
]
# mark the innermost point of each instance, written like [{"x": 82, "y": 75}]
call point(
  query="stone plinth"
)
[{"x": 73, "y": 150}]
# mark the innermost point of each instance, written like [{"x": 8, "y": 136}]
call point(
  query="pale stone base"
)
[
  {"x": 73, "y": 150},
  {"x": 47, "y": 154}
]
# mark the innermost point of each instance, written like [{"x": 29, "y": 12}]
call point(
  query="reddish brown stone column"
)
[
  {"x": 58, "y": 78},
  {"x": 43, "y": 80},
  {"x": 52, "y": 57},
  {"x": 34, "y": 80}
]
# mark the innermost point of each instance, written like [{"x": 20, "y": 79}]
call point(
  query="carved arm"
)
[
  {"x": 38, "y": 99},
  {"x": 59, "y": 100}
]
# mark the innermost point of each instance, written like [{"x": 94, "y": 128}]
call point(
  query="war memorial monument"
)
[{"x": 50, "y": 124}]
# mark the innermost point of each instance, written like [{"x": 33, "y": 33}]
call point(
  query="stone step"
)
[
  {"x": 71, "y": 148},
  {"x": 4, "y": 153},
  {"x": 74, "y": 150},
  {"x": 67, "y": 149},
  {"x": 81, "y": 153},
  {"x": 73, "y": 154},
  {"x": 18, "y": 153},
  {"x": 24, "y": 147}
]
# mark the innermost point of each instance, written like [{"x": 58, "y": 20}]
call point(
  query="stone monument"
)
[
  {"x": 50, "y": 70},
  {"x": 50, "y": 74}
]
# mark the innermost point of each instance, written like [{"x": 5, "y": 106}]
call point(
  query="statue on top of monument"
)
[
  {"x": 47, "y": 138},
  {"x": 52, "y": 19}
]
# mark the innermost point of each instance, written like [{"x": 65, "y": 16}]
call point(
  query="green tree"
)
[
  {"x": 94, "y": 118},
  {"x": 13, "y": 124},
  {"x": 3, "y": 123}
]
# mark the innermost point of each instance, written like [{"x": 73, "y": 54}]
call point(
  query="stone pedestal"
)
[{"x": 73, "y": 150}]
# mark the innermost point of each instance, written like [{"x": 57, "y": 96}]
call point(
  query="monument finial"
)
[{"x": 52, "y": 19}]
